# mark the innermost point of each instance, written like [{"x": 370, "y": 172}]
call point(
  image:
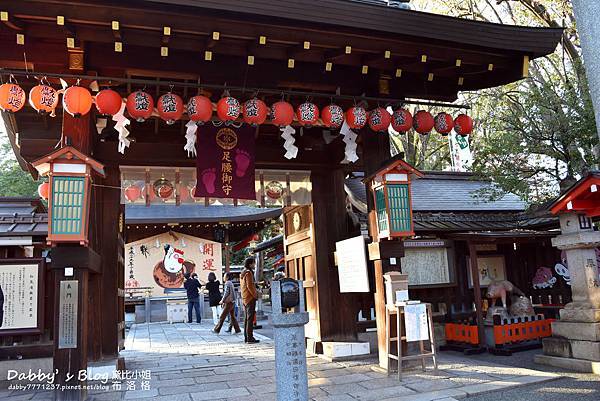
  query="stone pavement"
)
[{"x": 189, "y": 362}]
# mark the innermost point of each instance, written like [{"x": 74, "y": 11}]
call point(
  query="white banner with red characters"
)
[{"x": 159, "y": 262}]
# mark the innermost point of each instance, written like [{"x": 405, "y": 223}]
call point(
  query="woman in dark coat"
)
[{"x": 214, "y": 296}]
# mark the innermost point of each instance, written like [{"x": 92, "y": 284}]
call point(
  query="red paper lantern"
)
[
  {"x": 463, "y": 125},
  {"x": 43, "y": 98},
  {"x": 282, "y": 114},
  {"x": 423, "y": 122},
  {"x": 402, "y": 120},
  {"x": 133, "y": 193},
  {"x": 443, "y": 123},
  {"x": 228, "y": 108},
  {"x": 108, "y": 102},
  {"x": 199, "y": 108},
  {"x": 140, "y": 105},
  {"x": 332, "y": 116},
  {"x": 255, "y": 111},
  {"x": 356, "y": 117},
  {"x": 77, "y": 101},
  {"x": 307, "y": 114},
  {"x": 170, "y": 107},
  {"x": 12, "y": 97},
  {"x": 379, "y": 119},
  {"x": 44, "y": 190},
  {"x": 184, "y": 192}
]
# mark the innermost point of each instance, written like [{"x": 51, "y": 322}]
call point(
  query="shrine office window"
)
[
  {"x": 67, "y": 204},
  {"x": 428, "y": 263}
]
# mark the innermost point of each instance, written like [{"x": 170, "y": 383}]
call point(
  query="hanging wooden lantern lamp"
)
[
  {"x": 282, "y": 114},
  {"x": 70, "y": 175},
  {"x": 228, "y": 108},
  {"x": 423, "y": 122},
  {"x": 390, "y": 188},
  {"x": 332, "y": 116},
  {"x": 199, "y": 109},
  {"x": 108, "y": 102},
  {"x": 402, "y": 120},
  {"x": 379, "y": 119},
  {"x": 170, "y": 107},
  {"x": 43, "y": 99},
  {"x": 443, "y": 123},
  {"x": 356, "y": 117},
  {"x": 12, "y": 97},
  {"x": 77, "y": 101},
  {"x": 140, "y": 105},
  {"x": 255, "y": 111},
  {"x": 307, "y": 114},
  {"x": 463, "y": 125}
]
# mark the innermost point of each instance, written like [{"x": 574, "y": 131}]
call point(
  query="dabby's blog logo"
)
[{"x": 226, "y": 138}]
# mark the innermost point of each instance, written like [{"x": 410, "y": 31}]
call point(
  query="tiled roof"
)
[
  {"x": 445, "y": 191},
  {"x": 196, "y": 214},
  {"x": 23, "y": 217}
]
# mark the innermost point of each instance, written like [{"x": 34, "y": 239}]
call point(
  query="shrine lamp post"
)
[
  {"x": 70, "y": 178},
  {"x": 575, "y": 341},
  {"x": 70, "y": 174},
  {"x": 389, "y": 223}
]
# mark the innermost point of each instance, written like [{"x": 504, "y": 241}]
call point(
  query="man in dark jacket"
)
[{"x": 192, "y": 287}]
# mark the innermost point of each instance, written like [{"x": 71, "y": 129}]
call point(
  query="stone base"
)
[
  {"x": 336, "y": 350},
  {"x": 589, "y": 350},
  {"x": 580, "y": 315},
  {"x": 557, "y": 346},
  {"x": 24, "y": 365},
  {"x": 578, "y": 365},
  {"x": 577, "y": 330}
]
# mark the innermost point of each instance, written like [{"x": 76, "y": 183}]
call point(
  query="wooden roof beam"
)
[{"x": 11, "y": 21}]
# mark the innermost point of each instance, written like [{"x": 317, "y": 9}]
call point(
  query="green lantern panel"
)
[
  {"x": 382, "y": 217},
  {"x": 399, "y": 199},
  {"x": 67, "y": 205}
]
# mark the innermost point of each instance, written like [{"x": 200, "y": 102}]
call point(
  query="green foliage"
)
[
  {"x": 13, "y": 180},
  {"x": 536, "y": 134}
]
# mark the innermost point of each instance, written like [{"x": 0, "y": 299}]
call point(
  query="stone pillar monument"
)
[
  {"x": 575, "y": 341},
  {"x": 290, "y": 349}
]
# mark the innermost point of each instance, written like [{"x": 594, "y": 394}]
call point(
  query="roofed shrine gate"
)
[{"x": 318, "y": 50}]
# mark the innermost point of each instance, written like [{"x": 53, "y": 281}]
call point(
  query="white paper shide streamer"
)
[
  {"x": 190, "y": 136},
  {"x": 287, "y": 133},
  {"x": 120, "y": 126},
  {"x": 350, "y": 141}
]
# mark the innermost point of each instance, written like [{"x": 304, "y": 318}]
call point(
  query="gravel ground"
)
[{"x": 572, "y": 387}]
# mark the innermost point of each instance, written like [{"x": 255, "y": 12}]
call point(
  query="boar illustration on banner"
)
[{"x": 225, "y": 162}]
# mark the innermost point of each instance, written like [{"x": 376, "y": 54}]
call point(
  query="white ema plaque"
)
[
  {"x": 352, "y": 265},
  {"x": 19, "y": 285},
  {"x": 67, "y": 314},
  {"x": 415, "y": 321}
]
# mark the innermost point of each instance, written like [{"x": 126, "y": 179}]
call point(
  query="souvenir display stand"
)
[{"x": 399, "y": 311}]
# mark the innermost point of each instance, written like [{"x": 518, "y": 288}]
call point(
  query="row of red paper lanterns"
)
[{"x": 78, "y": 101}]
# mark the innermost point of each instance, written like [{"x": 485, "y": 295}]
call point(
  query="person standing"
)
[
  {"x": 192, "y": 287},
  {"x": 249, "y": 297},
  {"x": 227, "y": 302},
  {"x": 214, "y": 296}
]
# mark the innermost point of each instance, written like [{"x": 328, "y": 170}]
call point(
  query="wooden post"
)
[
  {"x": 477, "y": 292},
  {"x": 69, "y": 362},
  {"x": 376, "y": 148},
  {"x": 226, "y": 250}
]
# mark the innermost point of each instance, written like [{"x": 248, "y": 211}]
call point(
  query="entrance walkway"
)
[{"x": 189, "y": 362}]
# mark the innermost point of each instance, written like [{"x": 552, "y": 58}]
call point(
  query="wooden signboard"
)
[
  {"x": 67, "y": 314},
  {"x": 22, "y": 296},
  {"x": 352, "y": 265}
]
